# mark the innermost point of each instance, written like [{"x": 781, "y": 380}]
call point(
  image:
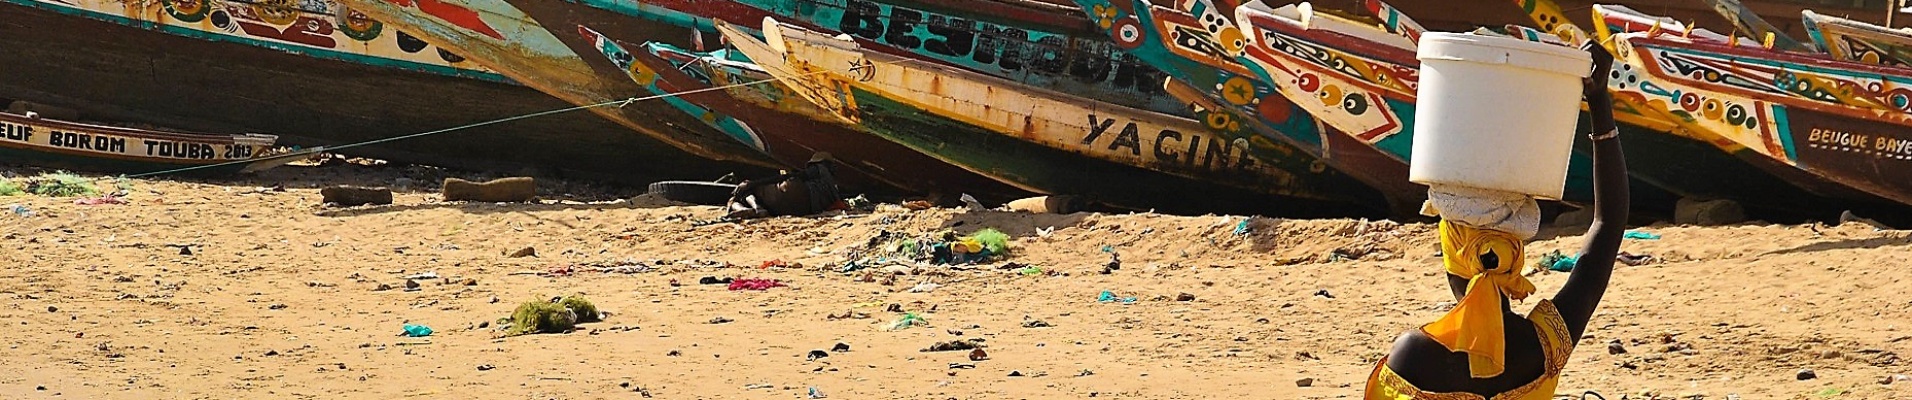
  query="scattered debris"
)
[
  {"x": 486, "y": 367},
  {"x": 558, "y": 315},
  {"x": 1185, "y": 297},
  {"x": 1035, "y": 323},
  {"x": 1109, "y": 297},
  {"x": 906, "y": 321},
  {"x": 924, "y": 287},
  {"x": 1806, "y": 374},
  {"x": 1614, "y": 347},
  {"x": 841, "y": 347},
  {"x": 414, "y": 330},
  {"x": 1304, "y": 382},
  {"x": 755, "y": 284},
  {"x": 1639, "y": 235},
  {"x": 720, "y": 320},
  {"x": 816, "y": 393},
  {"x": 1635, "y": 260},
  {"x": 350, "y": 196},
  {"x": 978, "y": 355},
  {"x": 816, "y": 355},
  {"x": 1324, "y": 293},
  {"x": 712, "y": 280}
]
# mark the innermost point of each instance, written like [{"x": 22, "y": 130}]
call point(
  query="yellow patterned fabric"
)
[
  {"x": 1556, "y": 344},
  {"x": 1474, "y": 326}
]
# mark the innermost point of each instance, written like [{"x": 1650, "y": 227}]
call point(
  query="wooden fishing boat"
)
[
  {"x": 1223, "y": 86},
  {"x": 1035, "y": 43},
  {"x": 1857, "y": 41},
  {"x": 309, "y": 77},
  {"x": 1833, "y": 120},
  {"x": 1749, "y": 181},
  {"x": 32, "y": 140},
  {"x": 735, "y": 94},
  {"x": 1750, "y": 22},
  {"x": 1045, "y": 141},
  {"x": 500, "y": 36}
]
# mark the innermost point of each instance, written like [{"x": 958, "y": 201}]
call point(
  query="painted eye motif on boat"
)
[
  {"x": 1736, "y": 115},
  {"x": 1127, "y": 33},
  {"x": 1329, "y": 95},
  {"x": 1308, "y": 82},
  {"x": 1712, "y": 109},
  {"x": 1690, "y": 102},
  {"x": 1355, "y": 104}
]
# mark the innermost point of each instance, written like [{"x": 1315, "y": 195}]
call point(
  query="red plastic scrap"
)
[
  {"x": 773, "y": 263},
  {"x": 755, "y": 284}
]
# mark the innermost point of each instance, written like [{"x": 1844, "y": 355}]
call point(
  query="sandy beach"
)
[{"x": 276, "y": 296}]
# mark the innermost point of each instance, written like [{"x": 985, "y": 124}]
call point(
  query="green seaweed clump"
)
[
  {"x": 586, "y": 311},
  {"x": 10, "y": 188},
  {"x": 542, "y": 316},
  {"x": 61, "y": 184}
]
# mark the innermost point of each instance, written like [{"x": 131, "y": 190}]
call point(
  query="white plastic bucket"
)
[{"x": 1496, "y": 113}]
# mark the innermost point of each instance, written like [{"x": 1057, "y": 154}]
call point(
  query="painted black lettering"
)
[
  {"x": 118, "y": 145},
  {"x": 16, "y": 132},
  {"x": 902, "y": 23},
  {"x": 1217, "y": 146},
  {"x": 150, "y": 146},
  {"x": 1002, "y": 45},
  {"x": 1245, "y": 162},
  {"x": 1096, "y": 129},
  {"x": 1128, "y": 138},
  {"x": 957, "y": 36},
  {"x": 1047, "y": 54},
  {"x": 1093, "y": 69},
  {"x": 1194, "y": 145},
  {"x": 1166, "y": 155},
  {"x": 862, "y": 18}
]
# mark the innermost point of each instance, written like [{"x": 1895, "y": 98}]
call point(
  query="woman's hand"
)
[{"x": 1602, "y": 67}]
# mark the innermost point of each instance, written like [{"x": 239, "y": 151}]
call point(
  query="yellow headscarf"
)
[{"x": 1474, "y": 325}]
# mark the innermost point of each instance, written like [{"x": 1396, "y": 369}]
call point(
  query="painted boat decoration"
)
[
  {"x": 1857, "y": 41},
  {"x": 499, "y": 35},
  {"x": 1218, "y": 84},
  {"x": 309, "y": 77},
  {"x": 32, "y": 140},
  {"x": 1750, "y": 22},
  {"x": 791, "y": 137},
  {"x": 1035, "y": 43},
  {"x": 1829, "y": 118},
  {"x": 1045, "y": 141},
  {"x": 322, "y": 29}
]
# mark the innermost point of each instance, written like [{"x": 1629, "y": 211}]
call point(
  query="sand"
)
[{"x": 279, "y": 299}]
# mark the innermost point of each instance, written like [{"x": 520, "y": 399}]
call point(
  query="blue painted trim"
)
[{"x": 1784, "y": 131}]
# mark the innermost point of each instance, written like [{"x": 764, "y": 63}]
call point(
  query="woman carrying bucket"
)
[{"x": 1481, "y": 349}]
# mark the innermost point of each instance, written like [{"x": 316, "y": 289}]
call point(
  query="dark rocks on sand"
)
[
  {"x": 503, "y": 190},
  {"x": 348, "y": 196}
]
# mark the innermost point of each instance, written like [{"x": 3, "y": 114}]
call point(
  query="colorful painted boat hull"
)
[
  {"x": 1032, "y": 43},
  {"x": 1860, "y": 42},
  {"x": 552, "y": 58},
  {"x": 68, "y": 145},
  {"x": 139, "y": 67},
  {"x": 1255, "y": 104},
  {"x": 1117, "y": 157},
  {"x": 866, "y": 160},
  {"x": 1788, "y": 109}
]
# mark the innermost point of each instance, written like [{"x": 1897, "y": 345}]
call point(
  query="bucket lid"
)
[{"x": 1501, "y": 50}]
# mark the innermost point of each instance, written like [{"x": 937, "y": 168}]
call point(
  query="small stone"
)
[
  {"x": 816, "y": 355},
  {"x": 382, "y": 287},
  {"x": 525, "y": 252},
  {"x": 494, "y": 299},
  {"x": 978, "y": 355},
  {"x": 1304, "y": 382},
  {"x": 470, "y": 282},
  {"x": 720, "y": 320},
  {"x": 185, "y": 250},
  {"x": 271, "y": 353},
  {"x": 486, "y": 367},
  {"x": 1615, "y": 347},
  {"x": 276, "y": 306},
  {"x": 411, "y": 284},
  {"x": 1185, "y": 297},
  {"x": 1015, "y": 373},
  {"x": 484, "y": 324},
  {"x": 40, "y": 388},
  {"x": 841, "y": 348},
  {"x": 625, "y": 384},
  {"x": 341, "y": 366},
  {"x": 52, "y": 309},
  {"x": 674, "y": 353},
  {"x": 1035, "y": 323},
  {"x": 1324, "y": 293},
  {"x": 1806, "y": 374}
]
